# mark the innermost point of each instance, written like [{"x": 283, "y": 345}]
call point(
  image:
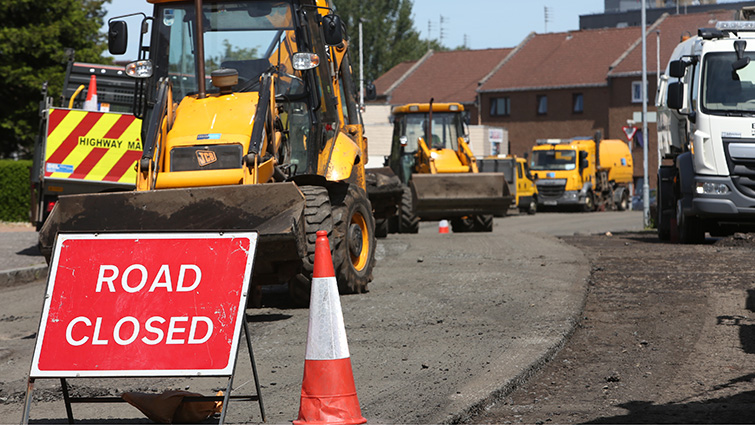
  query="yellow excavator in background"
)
[
  {"x": 250, "y": 123},
  {"x": 430, "y": 155}
]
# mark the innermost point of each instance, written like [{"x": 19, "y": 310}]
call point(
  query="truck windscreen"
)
[
  {"x": 553, "y": 160},
  {"x": 725, "y": 90}
]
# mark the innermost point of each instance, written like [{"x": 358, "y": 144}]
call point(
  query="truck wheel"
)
[
  {"x": 623, "y": 204},
  {"x": 690, "y": 229},
  {"x": 589, "y": 202},
  {"x": 317, "y": 216},
  {"x": 532, "y": 209},
  {"x": 483, "y": 223},
  {"x": 353, "y": 241},
  {"x": 462, "y": 224},
  {"x": 408, "y": 222}
]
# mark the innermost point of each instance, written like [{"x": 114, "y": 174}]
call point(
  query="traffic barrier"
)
[
  {"x": 443, "y": 226},
  {"x": 91, "y": 103},
  {"x": 328, "y": 392}
]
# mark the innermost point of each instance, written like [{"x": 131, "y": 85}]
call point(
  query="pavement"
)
[
  {"x": 425, "y": 348},
  {"x": 20, "y": 259}
]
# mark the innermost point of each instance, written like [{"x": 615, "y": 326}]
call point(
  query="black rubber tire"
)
[
  {"x": 317, "y": 216},
  {"x": 623, "y": 204},
  {"x": 462, "y": 224},
  {"x": 408, "y": 222},
  {"x": 690, "y": 229},
  {"x": 483, "y": 223},
  {"x": 589, "y": 202},
  {"x": 353, "y": 251}
]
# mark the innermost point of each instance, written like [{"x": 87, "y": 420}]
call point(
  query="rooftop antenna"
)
[
  {"x": 546, "y": 16},
  {"x": 440, "y": 30}
]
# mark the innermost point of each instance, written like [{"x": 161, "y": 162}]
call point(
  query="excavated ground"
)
[{"x": 667, "y": 336}]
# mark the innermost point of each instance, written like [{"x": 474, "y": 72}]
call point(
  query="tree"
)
[
  {"x": 33, "y": 42},
  {"x": 389, "y": 34}
]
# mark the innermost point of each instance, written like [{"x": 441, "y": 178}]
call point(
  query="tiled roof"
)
[
  {"x": 450, "y": 76},
  {"x": 564, "y": 59},
  {"x": 672, "y": 28},
  {"x": 384, "y": 82}
]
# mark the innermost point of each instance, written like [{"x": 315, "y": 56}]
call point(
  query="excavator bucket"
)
[
  {"x": 274, "y": 210},
  {"x": 439, "y": 196}
]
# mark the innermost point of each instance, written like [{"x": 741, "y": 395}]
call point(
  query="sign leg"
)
[
  {"x": 27, "y": 403},
  {"x": 67, "y": 400},
  {"x": 254, "y": 368}
]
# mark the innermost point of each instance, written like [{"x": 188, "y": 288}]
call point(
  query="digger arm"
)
[
  {"x": 425, "y": 164},
  {"x": 156, "y": 131},
  {"x": 466, "y": 157}
]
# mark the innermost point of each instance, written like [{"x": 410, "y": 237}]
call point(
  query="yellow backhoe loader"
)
[
  {"x": 430, "y": 155},
  {"x": 250, "y": 123}
]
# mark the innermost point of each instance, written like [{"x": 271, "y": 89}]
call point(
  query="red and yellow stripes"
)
[{"x": 92, "y": 146}]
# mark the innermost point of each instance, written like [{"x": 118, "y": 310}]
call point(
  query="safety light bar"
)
[
  {"x": 735, "y": 25},
  {"x": 305, "y": 61},
  {"x": 139, "y": 69}
]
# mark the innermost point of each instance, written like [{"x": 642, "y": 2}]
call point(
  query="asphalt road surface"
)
[{"x": 452, "y": 323}]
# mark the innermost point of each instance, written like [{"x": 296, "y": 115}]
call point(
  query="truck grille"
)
[
  {"x": 551, "y": 188},
  {"x": 740, "y": 157},
  {"x": 210, "y": 157}
]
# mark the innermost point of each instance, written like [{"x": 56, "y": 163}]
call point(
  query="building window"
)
[
  {"x": 542, "y": 104},
  {"x": 500, "y": 106},
  {"x": 636, "y": 91},
  {"x": 578, "y": 103}
]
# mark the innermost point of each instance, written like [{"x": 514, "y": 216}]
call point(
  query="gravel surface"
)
[{"x": 667, "y": 336}]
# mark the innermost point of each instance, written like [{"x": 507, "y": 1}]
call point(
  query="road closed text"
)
[{"x": 152, "y": 330}]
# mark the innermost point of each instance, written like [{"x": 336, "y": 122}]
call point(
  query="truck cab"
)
[{"x": 706, "y": 134}]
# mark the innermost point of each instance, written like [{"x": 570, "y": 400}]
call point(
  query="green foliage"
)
[
  {"x": 389, "y": 34},
  {"x": 14, "y": 190},
  {"x": 34, "y": 37}
]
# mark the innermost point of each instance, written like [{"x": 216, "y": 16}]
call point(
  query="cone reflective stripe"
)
[
  {"x": 91, "y": 103},
  {"x": 328, "y": 392},
  {"x": 443, "y": 226}
]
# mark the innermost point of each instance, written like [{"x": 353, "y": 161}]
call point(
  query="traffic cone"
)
[
  {"x": 91, "y": 103},
  {"x": 443, "y": 226},
  {"x": 328, "y": 393}
]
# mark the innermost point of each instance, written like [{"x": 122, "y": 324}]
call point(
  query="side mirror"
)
[
  {"x": 332, "y": 27},
  {"x": 583, "y": 163},
  {"x": 117, "y": 37},
  {"x": 675, "y": 96},
  {"x": 676, "y": 68}
]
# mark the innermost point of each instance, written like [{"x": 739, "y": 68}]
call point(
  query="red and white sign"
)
[
  {"x": 155, "y": 304},
  {"x": 629, "y": 132}
]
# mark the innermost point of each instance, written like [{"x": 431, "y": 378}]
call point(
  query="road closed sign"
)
[{"x": 155, "y": 304}]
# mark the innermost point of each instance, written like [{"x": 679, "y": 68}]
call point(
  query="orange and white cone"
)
[
  {"x": 443, "y": 226},
  {"x": 91, "y": 103},
  {"x": 328, "y": 392}
]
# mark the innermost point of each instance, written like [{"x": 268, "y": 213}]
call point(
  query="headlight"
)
[
  {"x": 139, "y": 69},
  {"x": 709, "y": 188}
]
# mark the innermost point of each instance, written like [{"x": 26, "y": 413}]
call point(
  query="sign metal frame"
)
[{"x": 227, "y": 371}]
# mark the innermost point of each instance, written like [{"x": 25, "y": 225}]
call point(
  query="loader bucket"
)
[
  {"x": 274, "y": 210},
  {"x": 439, "y": 196}
]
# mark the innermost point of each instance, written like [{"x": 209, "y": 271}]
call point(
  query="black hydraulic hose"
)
[
  {"x": 155, "y": 122},
  {"x": 260, "y": 116}
]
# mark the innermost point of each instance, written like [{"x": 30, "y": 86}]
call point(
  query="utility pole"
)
[
  {"x": 361, "y": 66},
  {"x": 645, "y": 141},
  {"x": 441, "y": 32}
]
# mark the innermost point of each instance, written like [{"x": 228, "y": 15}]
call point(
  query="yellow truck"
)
[
  {"x": 517, "y": 173},
  {"x": 582, "y": 173},
  {"x": 251, "y": 123},
  {"x": 431, "y": 157}
]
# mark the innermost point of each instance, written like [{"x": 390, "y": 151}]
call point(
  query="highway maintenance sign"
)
[
  {"x": 92, "y": 146},
  {"x": 154, "y": 304}
]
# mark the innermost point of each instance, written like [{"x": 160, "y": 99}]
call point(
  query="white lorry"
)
[{"x": 706, "y": 135}]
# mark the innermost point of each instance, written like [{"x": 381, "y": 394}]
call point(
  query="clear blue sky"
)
[{"x": 485, "y": 23}]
